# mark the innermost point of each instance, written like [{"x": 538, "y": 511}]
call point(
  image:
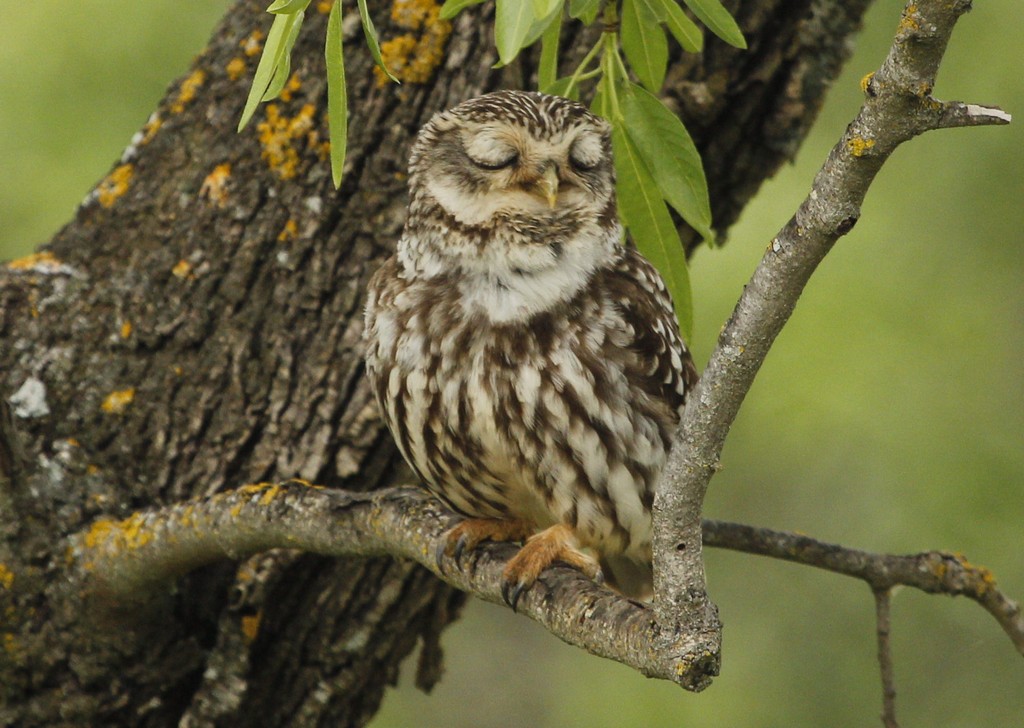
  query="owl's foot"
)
[
  {"x": 557, "y": 543},
  {"x": 473, "y": 531}
]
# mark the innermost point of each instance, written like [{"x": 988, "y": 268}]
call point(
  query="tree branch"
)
[
  {"x": 124, "y": 564},
  {"x": 882, "y": 629},
  {"x": 935, "y": 572},
  {"x": 897, "y": 107}
]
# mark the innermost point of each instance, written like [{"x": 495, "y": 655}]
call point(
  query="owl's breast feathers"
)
[{"x": 562, "y": 417}]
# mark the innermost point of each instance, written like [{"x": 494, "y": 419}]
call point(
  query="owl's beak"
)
[{"x": 547, "y": 185}]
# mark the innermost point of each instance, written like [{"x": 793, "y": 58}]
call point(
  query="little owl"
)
[{"x": 529, "y": 366}]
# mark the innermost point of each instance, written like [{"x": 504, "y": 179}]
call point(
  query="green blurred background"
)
[{"x": 889, "y": 416}]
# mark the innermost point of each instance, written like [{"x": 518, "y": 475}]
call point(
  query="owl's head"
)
[{"x": 517, "y": 156}]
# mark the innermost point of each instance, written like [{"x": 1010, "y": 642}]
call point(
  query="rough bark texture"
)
[{"x": 196, "y": 327}]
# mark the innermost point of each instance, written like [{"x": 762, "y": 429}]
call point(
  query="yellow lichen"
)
[
  {"x": 115, "y": 184},
  {"x": 131, "y": 533},
  {"x": 6, "y": 577},
  {"x": 866, "y": 81},
  {"x": 151, "y": 128},
  {"x": 412, "y": 57},
  {"x": 215, "y": 186},
  {"x": 43, "y": 262},
  {"x": 859, "y": 146},
  {"x": 251, "y": 626},
  {"x": 117, "y": 402},
  {"x": 909, "y": 20},
  {"x": 93, "y": 469},
  {"x": 235, "y": 68},
  {"x": 278, "y": 134},
  {"x": 182, "y": 269},
  {"x": 293, "y": 84},
  {"x": 288, "y": 232},
  {"x": 269, "y": 495},
  {"x": 126, "y": 329},
  {"x": 11, "y": 645},
  {"x": 252, "y": 44},
  {"x": 188, "y": 90}
]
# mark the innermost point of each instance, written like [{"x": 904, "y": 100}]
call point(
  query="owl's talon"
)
[
  {"x": 470, "y": 533},
  {"x": 439, "y": 554},
  {"x": 460, "y": 548},
  {"x": 512, "y": 599},
  {"x": 557, "y": 543}
]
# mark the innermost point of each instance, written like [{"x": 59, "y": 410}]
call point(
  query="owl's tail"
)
[{"x": 634, "y": 579}]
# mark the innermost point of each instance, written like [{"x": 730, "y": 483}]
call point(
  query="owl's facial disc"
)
[{"x": 487, "y": 171}]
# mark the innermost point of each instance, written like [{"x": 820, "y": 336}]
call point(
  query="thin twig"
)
[
  {"x": 882, "y": 626},
  {"x": 935, "y": 572}
]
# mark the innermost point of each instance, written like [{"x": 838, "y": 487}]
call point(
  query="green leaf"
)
[
  {"x": 451, "y": 8},
  {"x": 584, "y": 10},
  {"x": 337, "y": 94},
  {"x": 542, "y": 25},
  {"x": 650, "y": 224},
  {"x": 512, "y": 24},
  {"x": 671, "y": 156},
  {"x": 717, "y": 18},
  {"x": 643, "y": 42},
  {"x": 547, "y": 69},
  {"x": 371, "y": 38},
  {"x": 275, "y": 48},
  {"x": 287, "y": 7},
  {"x": 684, "y": 30},
  {"x": 284, "y": 64},
  {"x": 544, "y": 8}
]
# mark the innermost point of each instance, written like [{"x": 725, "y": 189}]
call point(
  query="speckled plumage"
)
[{"x": 529, "y": 366}]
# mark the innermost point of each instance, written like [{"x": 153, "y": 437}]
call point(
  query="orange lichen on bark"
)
[
  {"x": 414, "y": 56},
  {"x": 215, "y": 186},
  {"x": 293, "y": 84},
  {"x": 126, "y": 329},
  {"x": 252, "y": 44},
  {"x": 235, "y": 68},
  {"x": 187, "y": 92},
  {"x": 131, "y": 533},
  {"x": 115, "y": 184},
  {"x": 279, "y": 133},
  {"x": 182, "y": 269},
  {"x": 117, "y": 402},
  {"x": 6, "y": 577},
  {"x": 909, "y": 20},
  {"x": 151, "y": 128},
  {"x": 859, "y": 146},
  {"x": 251, "y": 626},
  {"x": 44, "y": 260},
  {"x": 288, "y": 232}
]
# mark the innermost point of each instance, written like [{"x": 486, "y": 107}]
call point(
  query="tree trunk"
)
[{"x": 197, "y": 327}]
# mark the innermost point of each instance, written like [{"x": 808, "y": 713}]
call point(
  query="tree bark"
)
[{"x": 197, "y": 327}]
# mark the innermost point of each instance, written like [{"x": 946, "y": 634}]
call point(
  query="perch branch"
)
[
  {"x": 898, "y": 106},
  {"x": 120, "y": 563},
  {"x": 127, "y": 562}
]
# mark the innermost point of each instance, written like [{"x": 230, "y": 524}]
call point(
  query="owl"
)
[{"x": 528, "y": 364}]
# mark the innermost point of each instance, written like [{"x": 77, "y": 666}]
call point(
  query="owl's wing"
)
[{"x": 662, "y": 366}]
